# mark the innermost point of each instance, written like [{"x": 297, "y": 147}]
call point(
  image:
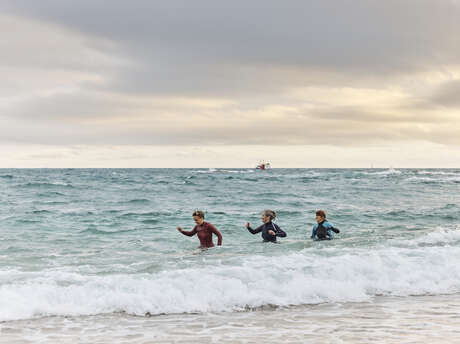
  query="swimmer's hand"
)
[
  {"x": 179, "y": 229},
  {"x": 271, "y": 232},
  {"x": 248, "y": 225}
]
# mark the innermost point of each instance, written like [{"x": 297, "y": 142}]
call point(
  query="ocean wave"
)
[
  {"x": 50, "y": 194},
  {"x": 438, "y": 237},
  {"x": 54, "y": 203},
  {"x": 27, "y": 221},
  {"x": 239, "y": 171},
  {"x": 214, "y": 170},
  {"x": 150, "y": 221},
  {"x": 95, "y": 230},
  {"x": 211, "y": 170},
  {"x": 426, "y": 179},
  {"x": 390, "y": 171},
  {"x": 148, "y": 214},
  {"x": 387, "y": 249},
  {"x": 308, "y": 277},
  {"x": 249, "y": 179},
  {"x": 450, "y": 206},
  {"x": 45, "y": 185},
  {"x": 136, "y": 200},
  {"x": 43, "y": 211},
  {"x": 78, "y": 213},
  {"x": 438, "y": 172},
  {"x": 362, "y": 173},
  {"x": 312, "y": 179}
]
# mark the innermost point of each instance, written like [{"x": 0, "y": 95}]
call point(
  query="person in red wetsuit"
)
[{"x": 204, "y": 230}]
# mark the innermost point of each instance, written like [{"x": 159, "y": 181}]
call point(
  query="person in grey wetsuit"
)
[
  {"x": 269, "y": 230},
  {"x": 323, "y": 230}
]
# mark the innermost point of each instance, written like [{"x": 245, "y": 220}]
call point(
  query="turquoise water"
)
[{"x": 97, "y": 241}]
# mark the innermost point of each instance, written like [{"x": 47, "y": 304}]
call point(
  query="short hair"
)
[
  {"x": 270, "y": 213},
  {"x": 198, "y": 213},
  {"x": 321, "y": 213}
]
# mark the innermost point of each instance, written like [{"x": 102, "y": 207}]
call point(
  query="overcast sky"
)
[{"x": 342, "y": 83}]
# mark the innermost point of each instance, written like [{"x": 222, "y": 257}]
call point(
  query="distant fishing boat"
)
[{"x": 263, "y": 166}]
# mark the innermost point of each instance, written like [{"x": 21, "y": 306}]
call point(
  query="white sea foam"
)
[
  {"x": 438, "y": 172},
  {"x": 298, "y": 278},
  {"x": 239, "y": 171},
  {"x": 390, "y": 171},
  {"x": 214, "y": 170},
  {"x": 440, "y": 237},
  {"x": 435, "y": 179}
]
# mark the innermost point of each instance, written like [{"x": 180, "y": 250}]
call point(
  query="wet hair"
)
[
  {"x": 270, "y": 213},
  {"x": 321, "y": 213},
  {"x": 198, "y": 213}
]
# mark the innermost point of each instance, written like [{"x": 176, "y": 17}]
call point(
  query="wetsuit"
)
[
  {"x": 324, "y": 231},
  {"x": 267, "y": 227},
  {"x": 204, "y": 232}
]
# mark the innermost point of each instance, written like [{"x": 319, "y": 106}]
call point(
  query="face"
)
[
  {"x": 265, "y": 218},
  {"x": 319, "y": 218},
  {"x": 198, "y": 220}
]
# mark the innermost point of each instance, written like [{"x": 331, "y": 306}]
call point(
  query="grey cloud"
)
[
  {"x": 248, "y": 52},
  {"x": 448, "y": 94},
  {"x": 184, "y": 46},
  {"x": 445, "y": 96}
]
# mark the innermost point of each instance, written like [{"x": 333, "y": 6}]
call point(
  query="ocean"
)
[{"x": 93, "y": 256}]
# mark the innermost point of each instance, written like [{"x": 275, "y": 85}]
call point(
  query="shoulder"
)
[
  {"x": 327, "y": 224},
  {"x": 209, "y": 225},
  {"x": 315, "y": 226}
]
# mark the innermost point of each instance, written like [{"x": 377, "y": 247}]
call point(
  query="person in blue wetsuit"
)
[
  {"x": 269, "y": 230},
  {"x": 323, "y": 230}
]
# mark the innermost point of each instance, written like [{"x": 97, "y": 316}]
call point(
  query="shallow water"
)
[
  {"x": 82, "y": 243},
  {"x": 414, "y": 319}
]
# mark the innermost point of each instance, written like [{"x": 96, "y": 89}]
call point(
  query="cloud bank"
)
[{"x": 205, "y": 73}]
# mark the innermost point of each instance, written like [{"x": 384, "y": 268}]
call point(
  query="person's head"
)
[
  {"x": 268, "y": 215},
  {"x": 198, "y": 217},
  {"x": 320, "y": 216}
]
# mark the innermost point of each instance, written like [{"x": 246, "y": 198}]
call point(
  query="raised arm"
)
[
  {"x": 216, "y": 232},
  {"x": 187, "y": 233},
  {"x": 254, "y": 231}
]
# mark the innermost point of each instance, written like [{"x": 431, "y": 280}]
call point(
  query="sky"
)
[{"x": 206, "y": 83}]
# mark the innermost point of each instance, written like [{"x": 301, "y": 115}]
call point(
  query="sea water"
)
[{"x": 93, "y": 255}]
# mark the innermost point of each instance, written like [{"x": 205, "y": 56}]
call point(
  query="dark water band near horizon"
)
[{"x": 83, "y": 251}]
